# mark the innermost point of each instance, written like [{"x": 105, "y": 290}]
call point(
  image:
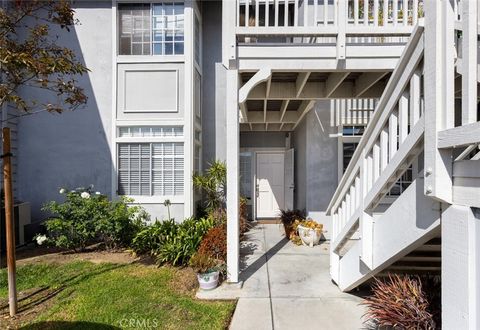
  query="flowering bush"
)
[{"x": 87, "y": 216}]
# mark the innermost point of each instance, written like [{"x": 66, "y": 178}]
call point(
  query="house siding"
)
[
  {"x": 316, "y": 164},
  {"x": 72, "y": 149}
]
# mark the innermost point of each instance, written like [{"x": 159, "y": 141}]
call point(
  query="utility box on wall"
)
[{"x": 21, "y": 217}]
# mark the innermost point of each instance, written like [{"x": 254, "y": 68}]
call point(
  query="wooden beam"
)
[
  {"x": 333, "y": 81},
  {"x": 268, "y": 86},
  {"x": 259, "y": 77},
  {"x": 244, "y": 112},
  {"x": 459, "y": 136},
  {"x": 365, "y": 81},
  {"x": 259, "y": 117},
  {"x": 283, "y": 109},
  {"x": 301, "y": 81},
  {"x": 265, "y": 111},
  {"x": 303, "y": 110}
]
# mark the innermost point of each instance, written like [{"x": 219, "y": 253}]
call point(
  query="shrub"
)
[
  {"x": 73, "y": 224},
  {"x": 177, "y": 249},
  {"x": 121, "y": 223},
  {"x": 150, "y": 239},
  {"x": 172, "y": 242},
  {"x": 87, "y": 216},
  {"x": 400, "y": 302},
  {"x": 214, "y": 243},
  {"x": 243, "y": 217},
  {"x": 213, "y": 184}
]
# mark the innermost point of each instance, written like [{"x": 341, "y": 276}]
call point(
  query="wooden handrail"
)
[{"x": 366, "y": 142}]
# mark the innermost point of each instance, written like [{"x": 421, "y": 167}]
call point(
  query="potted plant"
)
[
  {"x": 288, "y": 218},
  {"x": 208, "y": 270},
  {"x": 309, "y": 232}
]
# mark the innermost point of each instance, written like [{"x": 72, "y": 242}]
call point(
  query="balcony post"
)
[
  {"x": 439, "y": 96},
  {"x": 341, "y": 21},
  {"x": 233, "y": 148},
  {"x": 229, "y": 51}
]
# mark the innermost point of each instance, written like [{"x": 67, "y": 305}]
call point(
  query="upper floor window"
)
[{"x": 151, "y": 29}]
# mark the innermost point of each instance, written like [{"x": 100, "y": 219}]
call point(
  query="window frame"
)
[
  {"x": 345, "y": 139},
  {"x": 150, "y": 199},
  {"x": 138, "y": 58}
]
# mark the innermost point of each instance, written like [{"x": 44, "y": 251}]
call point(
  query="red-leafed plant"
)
[
  {"x": 401, "y": 302},
  {"x": 214, "y": 243}
]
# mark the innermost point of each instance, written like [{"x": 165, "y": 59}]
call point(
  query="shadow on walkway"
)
[{"x": 249, "y": 249}]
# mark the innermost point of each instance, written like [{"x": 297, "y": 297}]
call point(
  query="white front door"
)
[{"x": 270, "y": 184}]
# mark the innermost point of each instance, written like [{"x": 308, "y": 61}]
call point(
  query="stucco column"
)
[{"x": 233, "y": 148}]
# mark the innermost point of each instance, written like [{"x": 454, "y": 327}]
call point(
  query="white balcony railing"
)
[
  {"x": 390, "y": 144},
  {"x": 327, "y": 16}
]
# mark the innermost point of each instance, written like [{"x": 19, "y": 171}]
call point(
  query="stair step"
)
[
  {"x": 419, "y": 253},
  {"x": 435, "y": 241},
  {"x": 414, "y": 269},
  {"x": 410, "y": 272},
  {"x": 421, "y": 259},
  {"x": 427, "y": 247}
]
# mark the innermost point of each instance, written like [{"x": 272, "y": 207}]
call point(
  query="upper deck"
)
[{"x": 323, "y": 35}]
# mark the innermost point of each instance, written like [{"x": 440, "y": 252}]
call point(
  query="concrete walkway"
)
[{"x": 286, "y": 287}]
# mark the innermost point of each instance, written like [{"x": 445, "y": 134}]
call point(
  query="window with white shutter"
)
[{"x": 151, "y": 169}]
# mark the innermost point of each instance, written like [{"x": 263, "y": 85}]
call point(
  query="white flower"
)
[
  {"x": 85, "y": 195},
  {"x": 63, "y": 191},
  {"x": 97, "y": 193},
  {"x": 41, "y": 239}
]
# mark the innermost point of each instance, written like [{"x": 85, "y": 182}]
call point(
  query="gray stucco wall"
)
[
  {"x": 72, "y": 149},
  {"x": 316, "y": 159},
  {"x": 214, "y": 81}
]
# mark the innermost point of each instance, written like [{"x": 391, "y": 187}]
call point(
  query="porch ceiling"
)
[{"x": 278, "y": 100}]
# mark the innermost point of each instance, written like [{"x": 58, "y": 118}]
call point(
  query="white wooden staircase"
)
[{"x": 417, "y": 123}]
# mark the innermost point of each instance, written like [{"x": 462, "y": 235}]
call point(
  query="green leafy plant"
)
[
  {"x": 214, "y": 243},
  {"x": 400, "y": 302},
  {"x": 150, "y": 239},
  {"x": 33, "y": 59},
  {"x": 73, "y": 224},
  {"x": 179, "y": 248},
  {"x": 213, "y": 183},
  {"x": 121, "y": 223},
  {"x": 87, "y": 216}
]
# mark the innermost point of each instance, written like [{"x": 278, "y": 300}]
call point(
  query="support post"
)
[
  {"x": 229, "y": 45},
  {"x": 460, "y": 267},
  {"x": 9, "y": 225},
  {"x": 233, "y": 149},
  {"x": 342, "y": 29},
  {"x": 439, "y": 97},
  {"x": 469, "y": 58}
]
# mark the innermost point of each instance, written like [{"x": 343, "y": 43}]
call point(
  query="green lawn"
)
[{"x": 83, "y": 295}]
